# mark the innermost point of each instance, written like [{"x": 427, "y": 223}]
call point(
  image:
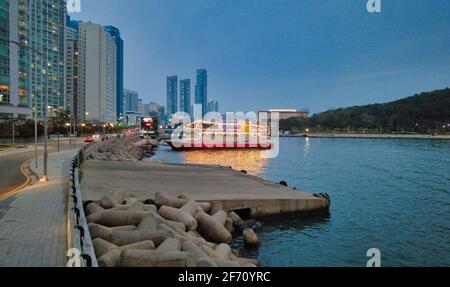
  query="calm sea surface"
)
[{"x": 387, "y": 194}]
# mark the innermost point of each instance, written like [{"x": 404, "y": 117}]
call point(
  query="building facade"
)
[
  {"x": 115, "y": 33},
  {"x": 213, "y": 106},
  {"x": 15, "y": 85},
  {"x": 185, "y": 96},
  {"x": 284, "y": 113},
  {"x": 131, "y": 102},
  {"x": 97, "y": 74},
  {"x": 47, "y": 35},
  {"x": 28, "y": 75},
  {"x": 201, "y": 90},
  {"x": 172, "y": 95},
  {"x": 72, "y": 69},
  {"x": 157, "y": 111},
  {"x": 141, "y": 106}
]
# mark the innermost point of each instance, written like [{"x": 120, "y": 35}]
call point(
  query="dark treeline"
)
[{"x": 423, "y": 113}]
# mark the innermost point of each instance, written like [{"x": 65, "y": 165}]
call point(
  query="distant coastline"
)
[{"x": 370, "y": 136}]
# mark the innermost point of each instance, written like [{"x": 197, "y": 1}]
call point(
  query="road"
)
[{"x": 10, "y": 175}]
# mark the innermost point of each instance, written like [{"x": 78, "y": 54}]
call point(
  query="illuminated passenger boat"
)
[{"x": 202, "y": 135}]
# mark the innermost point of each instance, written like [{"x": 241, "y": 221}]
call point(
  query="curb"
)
[{"x": 20, "y": 187}]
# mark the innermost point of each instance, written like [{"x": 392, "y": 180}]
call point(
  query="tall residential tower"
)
[
  {"x": 47, "y": 35},
  {"x": 172, "y": 95},
  {"x": 115, "y": 33},
  {"x": 39, "y": 25},
  {"x": 201, "y": 90},
  {"x": 185, "y": 96},
  {"x": 97, "y": 74},
  {"x": 15, "y": 99}
]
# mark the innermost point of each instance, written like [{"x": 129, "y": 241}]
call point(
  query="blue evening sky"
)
[{"x": 260, "y": 54}]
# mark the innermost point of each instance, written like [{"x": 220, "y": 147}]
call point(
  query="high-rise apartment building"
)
[
  {"x": 141, "y": 106},
  {"x": 131, "y": 102},
  {"x": 47, "y": 35},
  {"x": 72, "y": 69},
  {"x": 40, "y": 26},
  {"x": 15, "y": 91},
  {"x": 201, "y": 90},
  {"x": 115, "y": 33},
  {"x": 213, "y": 106},
  {"x": 92, "y": 71},
  {"x": 185, "y": 96},
  {"x": 172, "y": 95},
  {"x": 97, "y": 57}
]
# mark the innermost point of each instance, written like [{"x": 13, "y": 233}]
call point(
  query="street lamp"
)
[
  {"x": 82, "y": 126},
  {"x": 68, "y": 126},
  {"x": 35, "y": 137},
  {"x": 44, "y": 57}
]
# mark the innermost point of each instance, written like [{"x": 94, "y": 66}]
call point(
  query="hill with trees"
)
[{"x": 423, "y": 113}]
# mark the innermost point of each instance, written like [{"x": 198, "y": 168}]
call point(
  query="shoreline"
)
[
  {"x": 371, "y": 136},
  {"x": 185, "y": 215}
]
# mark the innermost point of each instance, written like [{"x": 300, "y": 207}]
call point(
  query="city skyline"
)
[{"x": 343, "y": 56}]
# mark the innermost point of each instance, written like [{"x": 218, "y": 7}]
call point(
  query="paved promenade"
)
[{"x": 33, "y": 222}]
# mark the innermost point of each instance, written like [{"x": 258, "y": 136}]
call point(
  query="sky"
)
[{"x": 262, "y": 54}]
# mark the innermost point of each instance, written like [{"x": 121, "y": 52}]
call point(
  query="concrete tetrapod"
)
[
  {"x": 93, "y": 208},
  {"x": 170, "y": 244},
  {"x": 191, "y": 247},
  {"x": 162, "y": 199},
  {"x": 221, "y": 216},
  {"x": 122, "y": 238},
  {"x": 112, "y": 257},
  {"x": 250, "y": 238},
  {"x": 229, "y": 225},
  {"x": 148, "y": 223},
  {"x": 212, "y": 229},
  {"x": 146, "y": 258},
  {"x": 178, "y": 215},
  {"x": 237, "y": 220},
  {"x": 223, "y": 251},
  {"x": 112, "y": 218}
]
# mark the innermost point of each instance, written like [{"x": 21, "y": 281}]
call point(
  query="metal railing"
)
[{"x": 79, "y": 237}]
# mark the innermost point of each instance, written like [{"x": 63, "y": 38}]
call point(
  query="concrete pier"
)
[{"x": 233, "y": 189}]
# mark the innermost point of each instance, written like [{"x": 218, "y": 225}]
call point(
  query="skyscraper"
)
[
  {"x": 47, "y": 34},
  {"x": 15, "y": 100},
  {"x": 115, "y": 33},
  {"x": 172, "y": 95},
  {"x": 97, "y": 74},
  {"x": 216, "y": 106},
  {"x": 131, "y": 101},
  {"x": 213, "y": 106},
  {"x": 185, "y": 96},
  {"x": 40, "y": 25},
  {"x": 141, "y": 106},
  {"x": 72, "y": 68},
  {"x": 201, "y": 90}
]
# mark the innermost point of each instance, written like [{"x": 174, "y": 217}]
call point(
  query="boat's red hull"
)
[{"x": 220, "y": 147}]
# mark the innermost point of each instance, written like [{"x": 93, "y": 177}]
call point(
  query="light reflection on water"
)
[{"x": 250, "y": 160}]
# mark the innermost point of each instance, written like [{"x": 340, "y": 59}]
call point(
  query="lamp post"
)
[
  {"x": 35, "y": 137},
  {"x": 68, "y": 125},
  {"x": 44, "y": 57}
]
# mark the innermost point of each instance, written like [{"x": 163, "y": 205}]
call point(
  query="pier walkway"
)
[
  {"x": 33, "y": 229},
  {"x": 233, "y": 189}
]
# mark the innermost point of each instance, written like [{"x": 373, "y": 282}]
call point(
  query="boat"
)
[{"x": 247, "y": 136}]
